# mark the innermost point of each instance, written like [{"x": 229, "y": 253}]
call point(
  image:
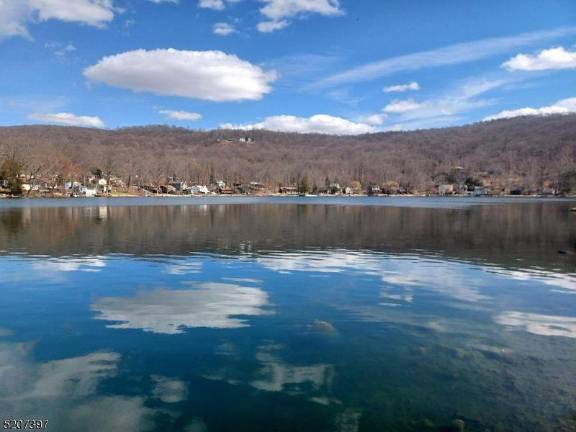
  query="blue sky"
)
[{"x": 328, "y": 66}]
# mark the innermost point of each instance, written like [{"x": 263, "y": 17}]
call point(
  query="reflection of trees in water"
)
[{"x": 501, "y": 234}]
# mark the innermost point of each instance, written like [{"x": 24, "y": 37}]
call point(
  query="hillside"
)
[{"x": 530, "y": 153}]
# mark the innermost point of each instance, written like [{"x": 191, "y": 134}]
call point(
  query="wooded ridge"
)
[{"x": 527, "y": 154}]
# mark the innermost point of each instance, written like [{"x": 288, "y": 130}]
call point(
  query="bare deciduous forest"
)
[{"x": 531, "y": 153}]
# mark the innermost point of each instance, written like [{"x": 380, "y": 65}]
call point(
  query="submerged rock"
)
[
  {"x": 323, "y": 327},
  {"x": 458, "y": 425}
]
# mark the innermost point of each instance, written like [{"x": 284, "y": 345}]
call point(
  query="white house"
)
[
  {"x": 88, "y": 192},
  {"x": 198, "y": 190}
]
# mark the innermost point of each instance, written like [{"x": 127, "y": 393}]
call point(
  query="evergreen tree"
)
[
  {"x": 10, "y": 171},
  {"x": 304, "y": 186}
]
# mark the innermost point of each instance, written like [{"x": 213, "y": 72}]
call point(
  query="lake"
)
[{"x": 289, "y": 314}]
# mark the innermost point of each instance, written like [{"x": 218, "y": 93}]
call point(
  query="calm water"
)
[{"x": 289, "y": 315}]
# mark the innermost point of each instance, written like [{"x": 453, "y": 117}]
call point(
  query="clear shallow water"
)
[{"x": 268, "y": 317}]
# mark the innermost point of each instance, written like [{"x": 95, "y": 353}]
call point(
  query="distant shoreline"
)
[
  {"x": 248, "y": 196},
  {"x": 400, "y": 201}
]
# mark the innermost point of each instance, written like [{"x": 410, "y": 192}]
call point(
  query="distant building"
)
[
  {"x": 198, "y": 190},
  {"x": 518, "y": 190},
  {"x": 180, "y": 186},
  {"x": 71, "y": 185},
  {"x": 446, "y": 189},
  {"x": 335, "y": 188},
  {"x": 289, "y": 190},
  {"x": 168, "y": 189},
  {"x": 256, "y": 187},
  {"x": 88, "y": 191},
  {"x": 479, "y": 191},
  {"x": 374, "y": 190}
]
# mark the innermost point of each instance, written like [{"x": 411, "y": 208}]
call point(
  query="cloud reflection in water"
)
[
  {"x": 66, "y": 392},
  {"x": 538, "y": 324},
  {"x": 208, "y": 305}
]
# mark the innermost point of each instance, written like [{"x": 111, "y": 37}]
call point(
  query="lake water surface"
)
[{"x": 302, "y": 314}]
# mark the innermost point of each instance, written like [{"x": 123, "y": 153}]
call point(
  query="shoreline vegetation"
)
[
  {"x": 276, "y": 195},
  {"x": 527, "y": 156}
]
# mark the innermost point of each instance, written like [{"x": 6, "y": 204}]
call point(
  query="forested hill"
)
[{"x": 528, "y": 152}]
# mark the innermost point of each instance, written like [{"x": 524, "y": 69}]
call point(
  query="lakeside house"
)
[
  {"x": 198, "y": 190},
  {"x": 288, "y": 190},
  {"x": 446, "y": 189},
  {"x": 374, "y": 190},
  {"x": 456, "y": 182}
]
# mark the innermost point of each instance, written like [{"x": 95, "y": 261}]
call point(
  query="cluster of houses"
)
[
  {"x": 181, "y": 187},
  {"x": 89, "y": 186},
  {"x": 455, "y": 183}
]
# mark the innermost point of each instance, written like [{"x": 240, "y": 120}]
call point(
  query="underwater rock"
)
[
  {"x": 323, "y": 327},
  {"x": 458, "y": 425}
]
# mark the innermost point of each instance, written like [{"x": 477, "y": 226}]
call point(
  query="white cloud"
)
[
  {"x": 565, "y": 106},
  {"x": 68, "y": 119},
  {"x": 68, "y": 389},
  {"x": 543, "y": 325},
  {"x": 271, "y": 26},
  {"x": 60, "y": 50},
  {"x": 16, "y": 14},
  {"x": 402, "y": 106},
  {"x": 563, "y": 282},
  {"x": 13, "y": 17},
  {"x": 56, "y": 378},
  {"x": 550, "y": 59},
  {"x": 320, "y": 123},
  {"x": 313, "y": 381},
  {"x": 443, "y": 109},
  {"x": 212, "y": 4},
  {"x": 184, "y": 268},
  {"x": 277, "y": 12},
  {"x": 401, "y": 279},
  {"x": 91, "y": 12},
  {"x": 276, "y": 375},
  {"x": 207, "y": 75},
  {"x": 217, "y": 5},
  {"x": 223, "y": 29},
  {"x": 181, "y": 115},
  {"x": 169, "y": 390},
  {"x": 279, "y": 9},
  {"x": 374, "y": 119},
  {"x": 401, "y": 88},
  {"x": 209, "y": 305},
  {"x": 449, "y": 55},
  {"x": 69, "y": 264}
]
